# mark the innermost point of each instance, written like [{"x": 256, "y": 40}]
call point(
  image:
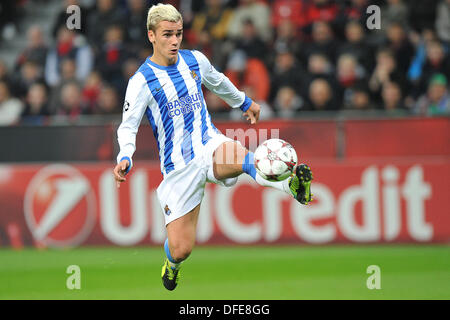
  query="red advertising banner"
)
[
  {"x": 386, "y": 200},
  {"x": 397, "y": 137}
]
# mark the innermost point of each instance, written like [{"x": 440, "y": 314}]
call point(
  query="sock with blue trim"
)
[
  {"x": 249, "y": 167},
  {"x": 172, "y": 263}
]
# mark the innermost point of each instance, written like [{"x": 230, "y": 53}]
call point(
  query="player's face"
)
[{"x": 166, "y": 41}]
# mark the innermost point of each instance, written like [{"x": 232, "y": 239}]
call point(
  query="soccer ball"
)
[{"x": 275, "y": 159}]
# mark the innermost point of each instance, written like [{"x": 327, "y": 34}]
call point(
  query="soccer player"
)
[{"x": 167, "y": 88}]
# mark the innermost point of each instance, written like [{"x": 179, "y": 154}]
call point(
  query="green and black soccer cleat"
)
[
  {"x": 300, "y": 184},
  {"x": 169, "y": 276}
]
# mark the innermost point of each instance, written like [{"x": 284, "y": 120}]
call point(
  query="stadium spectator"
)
[
  {"x": 35, "y": 50},
  {"x": 392, "y": 98},
  {"x": 385, "y": 71},
  {"x": 249, "y": 72},
  {"x": 135, "y": 24},
  {"x": 91, "y": 90},
  {"x": 63, "y": 16},
  {"x": 106, "y": 14},
  {"x": 68, "y": 70},
  {"x": 319, "y": 66},
  {"x": 256, "y": 11},
  {"x": 321, "y": 96},
  {"x": 68, "y": 45},
  {"x": 251, "y": 43},
  {"x": 72, "y": 105},
  {"x": 437, "y": 99},
  {"x": 348, "y": 74},
  {"x": 401, "y": 47},
  {"x": 68, "y": 74},
  {"x": 10, "y": 107},
  {"x": 436, "y": 61},
  {"x": 112, "y": 56},
  {"x": 285, "y": 72},
  {"x": 323, "y": 41},
  {"x": 442, "y": 23},
  {"x": 209, "y": 30},
  {"x": 286, "y": 38},
  {"x": 108, "y": 102},
  {"x": 359, "y": 98},
  {"x": 420, "y": 42},
  {"x": 357, "y": 45},
  {"x": 287, "y": 102},
  {"x": 36, "y": 106},
  {"x": 348, "y": 71},
  {"x": 29, "y": 73}
]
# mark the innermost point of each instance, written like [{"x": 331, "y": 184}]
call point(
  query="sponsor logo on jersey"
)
[{"x": 184, "y": 105}]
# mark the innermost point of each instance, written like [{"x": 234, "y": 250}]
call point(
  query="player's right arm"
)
[{"x": 136, "y": 101}]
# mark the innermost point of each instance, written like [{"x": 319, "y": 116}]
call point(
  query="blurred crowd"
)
[{"x": 288, "y": 55}]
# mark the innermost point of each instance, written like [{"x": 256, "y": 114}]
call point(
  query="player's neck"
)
[{"x": 163, "y": 61}]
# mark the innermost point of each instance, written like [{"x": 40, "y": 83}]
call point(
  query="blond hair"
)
[{"x": 162, "y": 12}]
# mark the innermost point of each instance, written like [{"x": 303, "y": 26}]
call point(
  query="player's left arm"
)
[{"x": 220, "y": 85}]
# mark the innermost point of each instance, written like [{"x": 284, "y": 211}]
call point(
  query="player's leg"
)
[
  {"x": 231, "y": 159},
  {"x": 178, "y": 246}
]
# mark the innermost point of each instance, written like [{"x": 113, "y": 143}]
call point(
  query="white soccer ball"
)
[{"x": 275, "y": 159}]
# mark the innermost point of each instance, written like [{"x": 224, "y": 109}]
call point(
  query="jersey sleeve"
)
[
  {"x": 219, "y": 84},
  {"x": 137, "y": 98}
]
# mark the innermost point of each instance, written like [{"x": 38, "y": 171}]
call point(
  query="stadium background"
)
[{"x": 367, "y": 109}]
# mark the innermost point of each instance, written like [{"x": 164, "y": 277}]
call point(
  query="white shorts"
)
[{"x": 182, "y": 190}]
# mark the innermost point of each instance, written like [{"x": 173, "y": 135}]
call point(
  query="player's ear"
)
[{"x": 151, "y": 36}]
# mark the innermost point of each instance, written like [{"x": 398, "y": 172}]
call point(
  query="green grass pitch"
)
[{"x": 250, "y": 272}]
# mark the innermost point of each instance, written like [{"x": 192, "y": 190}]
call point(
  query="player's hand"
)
[
  {"x": 252, "y": 113},
  {"x": 119, "y": 172}
]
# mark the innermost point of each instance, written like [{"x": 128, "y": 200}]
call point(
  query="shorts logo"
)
[
  {"x": 126, "y": 106},
  {"x": 167, "y": 210}
]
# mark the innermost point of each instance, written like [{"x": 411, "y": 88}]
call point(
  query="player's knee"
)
[
  {"x": 229, "y": 182},
  {"x": 181, "y": 252}
]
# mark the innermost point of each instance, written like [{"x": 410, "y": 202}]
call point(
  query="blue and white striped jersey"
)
[{"x": 172, "y": 99}]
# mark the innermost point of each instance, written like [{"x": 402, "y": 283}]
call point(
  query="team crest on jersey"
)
[{"x": 194, "y": 75}]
